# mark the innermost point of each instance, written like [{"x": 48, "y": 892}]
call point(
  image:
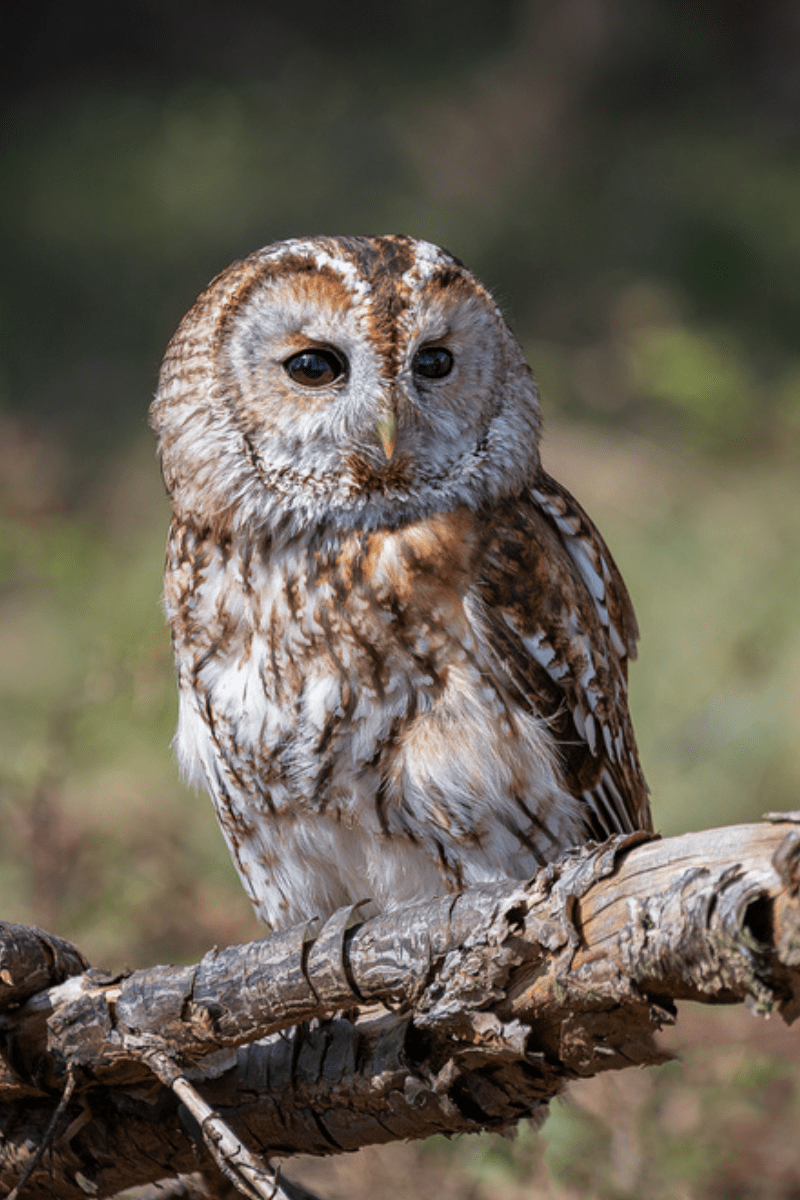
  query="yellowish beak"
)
[{"x": 386, "y": 430}]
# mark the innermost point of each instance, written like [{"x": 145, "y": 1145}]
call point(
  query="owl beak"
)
[{"x": 386, "y": 429}]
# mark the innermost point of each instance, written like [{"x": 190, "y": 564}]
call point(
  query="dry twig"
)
[{"x": 477, "y": 1009}]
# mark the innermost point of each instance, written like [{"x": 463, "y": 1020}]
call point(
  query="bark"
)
[{"x": 473, "y": 1012}]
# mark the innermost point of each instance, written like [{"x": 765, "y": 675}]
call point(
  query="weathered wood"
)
[
  {"x": 31, "y": 960},
  {"x": 476, "y": 1010}
]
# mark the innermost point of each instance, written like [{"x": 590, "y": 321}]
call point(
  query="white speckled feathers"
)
[{"x": 401, "y": 656}]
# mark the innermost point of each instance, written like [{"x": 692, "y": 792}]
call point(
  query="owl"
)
[{"x": 401, "y": 646}]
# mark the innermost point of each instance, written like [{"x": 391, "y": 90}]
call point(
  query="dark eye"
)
[
  {"x": 315, "y": 368},
  {"x": 434, "y": 362}
]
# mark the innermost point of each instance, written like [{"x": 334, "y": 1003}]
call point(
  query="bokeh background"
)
[{"x": 625, "y": 174}]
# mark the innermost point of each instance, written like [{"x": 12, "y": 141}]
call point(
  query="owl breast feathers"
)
[{"x": 401, "y": 646}]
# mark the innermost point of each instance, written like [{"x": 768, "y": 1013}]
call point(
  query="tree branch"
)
[{"x": 474, "y": 1010}]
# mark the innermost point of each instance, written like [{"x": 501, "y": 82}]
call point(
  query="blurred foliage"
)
[
  {"x": 99, "y": 838},
  {"x": 625, "y": 174}
]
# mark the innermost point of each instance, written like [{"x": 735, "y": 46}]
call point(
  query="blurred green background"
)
[{"x": 625, "y": 175}]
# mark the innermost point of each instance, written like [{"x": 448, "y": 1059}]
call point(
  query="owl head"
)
[{"x": 346, "y": 381}]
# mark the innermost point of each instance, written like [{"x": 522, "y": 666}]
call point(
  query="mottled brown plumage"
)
[{"x": 401, "y": 646}]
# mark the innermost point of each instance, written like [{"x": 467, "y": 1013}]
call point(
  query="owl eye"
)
[
  {"x": 315, "y": 368},
  {"x": 433, "y": 362}
]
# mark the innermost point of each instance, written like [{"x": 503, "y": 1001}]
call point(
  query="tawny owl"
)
[{"x": 401, "y": 646}]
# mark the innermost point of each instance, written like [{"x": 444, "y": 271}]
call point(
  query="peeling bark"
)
[{"x": 474, "y": 1010}]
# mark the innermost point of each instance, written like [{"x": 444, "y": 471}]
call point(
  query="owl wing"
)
[{"x": 560, "y": 625}]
